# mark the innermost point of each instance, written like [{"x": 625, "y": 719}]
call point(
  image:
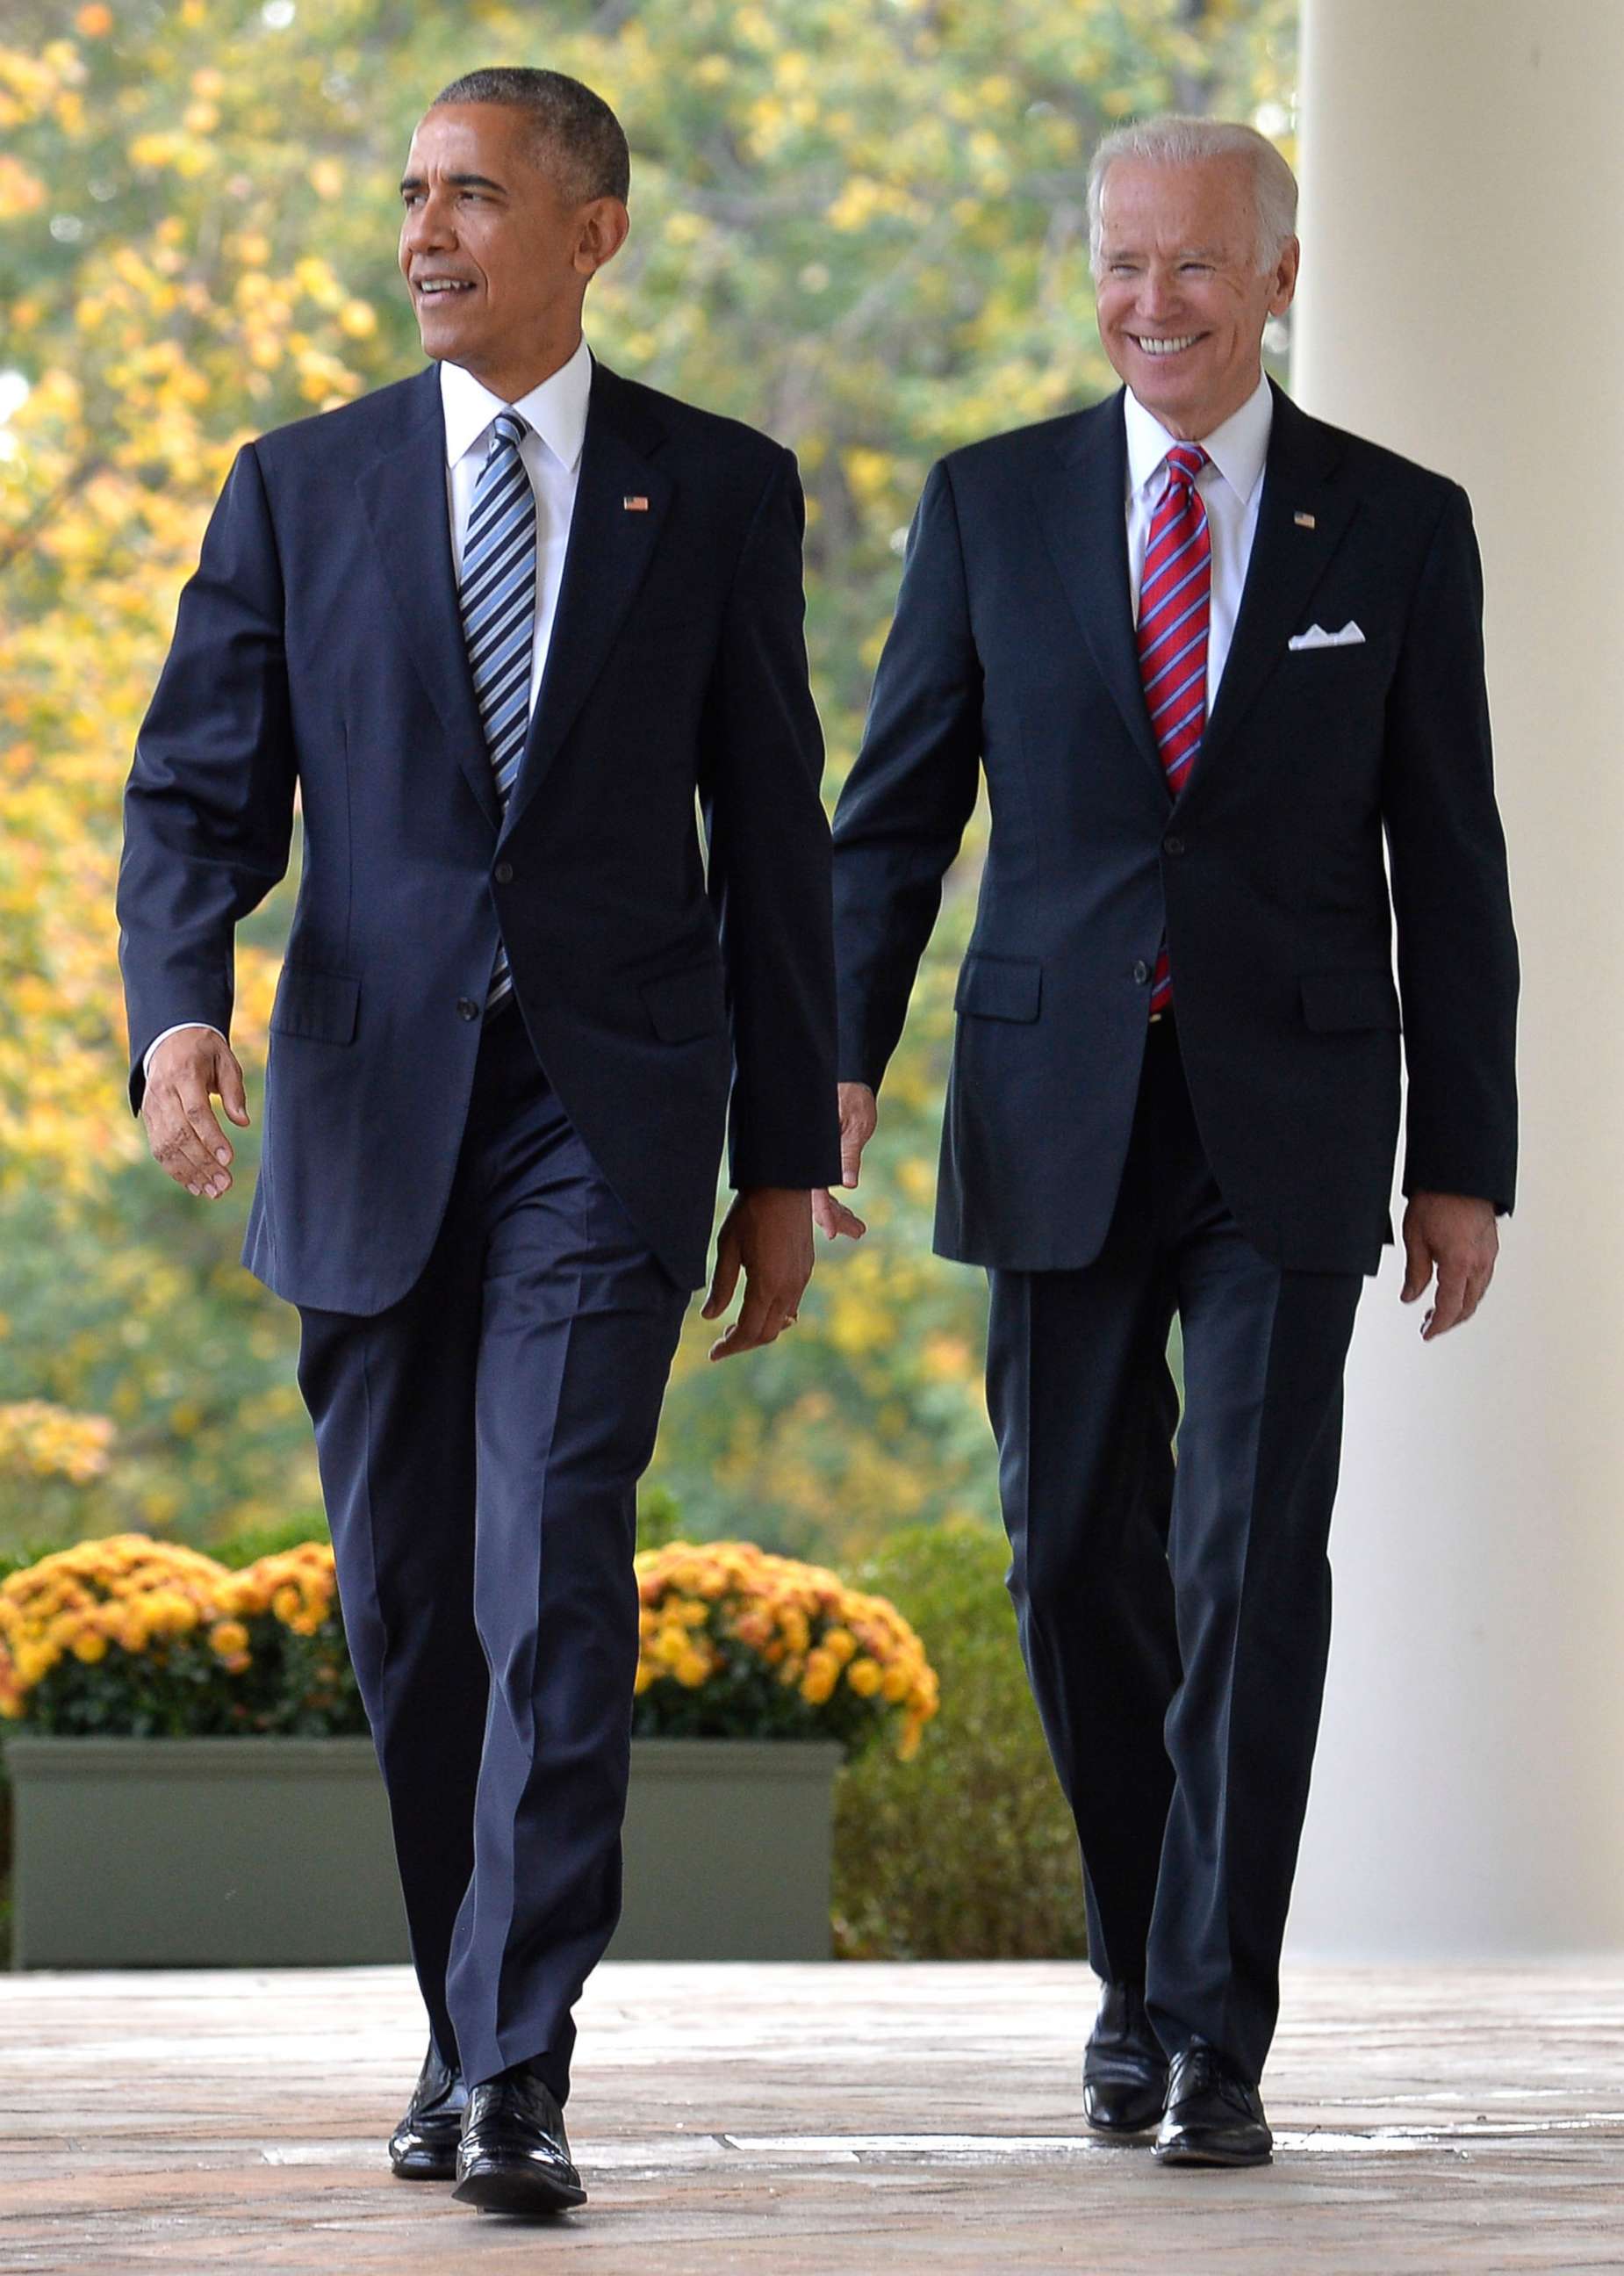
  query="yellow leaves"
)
[
  {"x": 870, "y": 473},
  {"x": 20, "y": 192},
  {"x": 41, "y": 1440},
  {"x": 358, "y": 320},
  {"x": 326, "y": 178},
  {"x": 166, "y": 147},
  {"x": 948, "y": 1359},
  {"x": 94, "y": 21},
  {"x": 316, "y": 280},
  {"x": 856, "y": 205}
]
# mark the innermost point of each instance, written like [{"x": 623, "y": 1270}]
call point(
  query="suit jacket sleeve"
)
[
  {"x": 902, "y": 813},
  {"x": 1457, "y": 952},
  {"x": 769, "y": 840},
  {"x": 208, "y": 807}
]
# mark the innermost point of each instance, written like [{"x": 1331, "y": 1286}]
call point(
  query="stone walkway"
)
[{"x": 806, "y": 2119}]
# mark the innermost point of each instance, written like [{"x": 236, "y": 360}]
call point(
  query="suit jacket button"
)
[
  {"x": 504, "y": 873},
  {"x": 466, "y": 1008},
  {"x": 1174, "y": 845},
  {"x": 1142, "y": 972}
]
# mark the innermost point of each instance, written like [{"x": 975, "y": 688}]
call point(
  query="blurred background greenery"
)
[{"x": 858, "y": 224}]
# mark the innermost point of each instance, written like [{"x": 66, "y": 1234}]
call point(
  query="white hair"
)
[{"x": 1175, "y": 140}]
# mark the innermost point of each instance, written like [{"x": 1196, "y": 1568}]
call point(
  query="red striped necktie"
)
[{"x": 1176, "y": 592}]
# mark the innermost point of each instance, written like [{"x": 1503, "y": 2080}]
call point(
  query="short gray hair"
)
[
  {"x": 1178, "y": 139},
  {"x": 572, "y": 129}
]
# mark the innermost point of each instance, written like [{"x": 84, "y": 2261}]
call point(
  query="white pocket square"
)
[{"x": 1317, "y": 636}]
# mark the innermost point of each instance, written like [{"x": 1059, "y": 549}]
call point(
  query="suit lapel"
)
[
  {"x": 1301, "y": 516},
  {"x": 403, "y": 495},
  {"x": 610, "y": 547},
  {"x": 1082, "y": 513}
]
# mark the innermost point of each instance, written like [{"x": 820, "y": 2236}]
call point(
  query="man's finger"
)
[
  {"x": 1418, "y": 1265},
  {"x": 761, "y": 1319},
  {"x": 1447, "y": 1308},
  {"x": 233, "y": 1097},
  {"x": 832, "y": 1217},
  {"x": 1477, "y": 1289},
  {"x": 724, "y": 1279},
  {"x": 212, "y": 1140},
  {"x": 852, "y": 1142},
  {"x": 175, "y": 1147}
]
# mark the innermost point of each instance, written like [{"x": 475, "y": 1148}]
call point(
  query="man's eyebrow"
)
[{"x": 458, "y": 182}]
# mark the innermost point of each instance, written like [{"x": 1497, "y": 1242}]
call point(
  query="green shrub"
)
[{"x": 969, "y": 1851}]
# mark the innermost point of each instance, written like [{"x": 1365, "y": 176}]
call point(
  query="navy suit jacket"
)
[
  {"x": 1013, "y": 652},
  {"x": 319, "y": 649}
]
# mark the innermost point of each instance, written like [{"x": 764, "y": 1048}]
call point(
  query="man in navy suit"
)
[
  {"x": 497, "y": 625},
  {"x": 1211, "y": 657}
]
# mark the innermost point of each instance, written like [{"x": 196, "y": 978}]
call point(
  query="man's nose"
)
[
  {"x": 427, "y": 226},
  {"x": 1158, "y": 292}
]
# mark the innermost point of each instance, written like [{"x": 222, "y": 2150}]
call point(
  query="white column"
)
[{"x": 1462, "y": 172}]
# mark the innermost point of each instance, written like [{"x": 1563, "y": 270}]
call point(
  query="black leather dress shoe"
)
[
  {"x": 514, "y": 2156},
  {"x": 423, "y": 2146},
  {"x": 1215, "y": 2116},
  {"x": 1124, "y": 2070}
]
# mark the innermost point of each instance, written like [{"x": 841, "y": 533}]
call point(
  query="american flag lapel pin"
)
[
  {"x": 1303, "y": 521},
  {"x": 634, "y": 505}
]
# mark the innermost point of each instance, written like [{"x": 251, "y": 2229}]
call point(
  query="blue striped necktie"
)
[{"x": 499, "y": 616}]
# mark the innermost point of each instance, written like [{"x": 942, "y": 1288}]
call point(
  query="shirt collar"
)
[
  {"x": 556, "y": 409},
  {"x": 1237, "y": 448}
]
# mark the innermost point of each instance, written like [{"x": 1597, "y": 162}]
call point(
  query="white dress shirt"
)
[
  {"x": 1230, "y": 489},
  {"x": 556, "y": 414}
]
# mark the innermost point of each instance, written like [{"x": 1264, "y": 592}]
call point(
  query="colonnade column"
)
[{"x": 1463, "y": 301}]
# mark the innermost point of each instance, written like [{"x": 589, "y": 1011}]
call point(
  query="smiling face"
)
[
  {"x": 1182, "y": 306},
  {"x": 496, "y": 256}
]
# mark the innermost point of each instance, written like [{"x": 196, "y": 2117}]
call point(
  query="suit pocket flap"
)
[
  {"x": 999, "y": 988},
  {"x": 1349, "y": 999},
  {"x": 321, "y": 1006},
  {"x": 684, "y": 1004}
]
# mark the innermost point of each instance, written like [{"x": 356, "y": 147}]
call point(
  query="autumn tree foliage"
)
[{"x": 857, "y": 223}]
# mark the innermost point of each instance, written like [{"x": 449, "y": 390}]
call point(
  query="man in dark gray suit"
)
[{"x": 1213, "y": 657}]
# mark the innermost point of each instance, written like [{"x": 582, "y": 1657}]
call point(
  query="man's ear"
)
[
  {"x": 605, "y": 223},
  {"x": 1285, "y": 278}
]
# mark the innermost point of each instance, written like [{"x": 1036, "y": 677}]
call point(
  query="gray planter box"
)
[{"x": 268, "y": 1853}]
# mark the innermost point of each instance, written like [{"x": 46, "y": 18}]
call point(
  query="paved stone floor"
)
[{"x": 806, "y": 2119}]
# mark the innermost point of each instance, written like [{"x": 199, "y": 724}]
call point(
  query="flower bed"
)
[
  {"x": 200, "y": 1727},
  {"x": 737, "y": 1643},
  {"x": 143, "y": 1638}
]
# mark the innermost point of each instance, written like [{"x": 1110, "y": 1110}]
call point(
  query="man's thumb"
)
[{"x": 233, "y": 1096}]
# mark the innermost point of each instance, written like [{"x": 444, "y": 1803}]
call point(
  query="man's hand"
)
[
  {"x": 187, "y": 1069},
  {"x": 768, "y": 1232},
  {"x": 858, "y": 1114},
  {"x": 1456, "y": 1234}
]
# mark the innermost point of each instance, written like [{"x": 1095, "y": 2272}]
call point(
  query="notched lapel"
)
[
  {"x": 611, "y": 543},
  {"x": 403, "y": 495},
  {"x": 1082, "y": 515},
  {"x": 1301, "y": 519}
]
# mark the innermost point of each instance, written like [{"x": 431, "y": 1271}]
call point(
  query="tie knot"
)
[
  {"x": 508, "y": 429},
  {"x": 1185, "y": 461}
]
